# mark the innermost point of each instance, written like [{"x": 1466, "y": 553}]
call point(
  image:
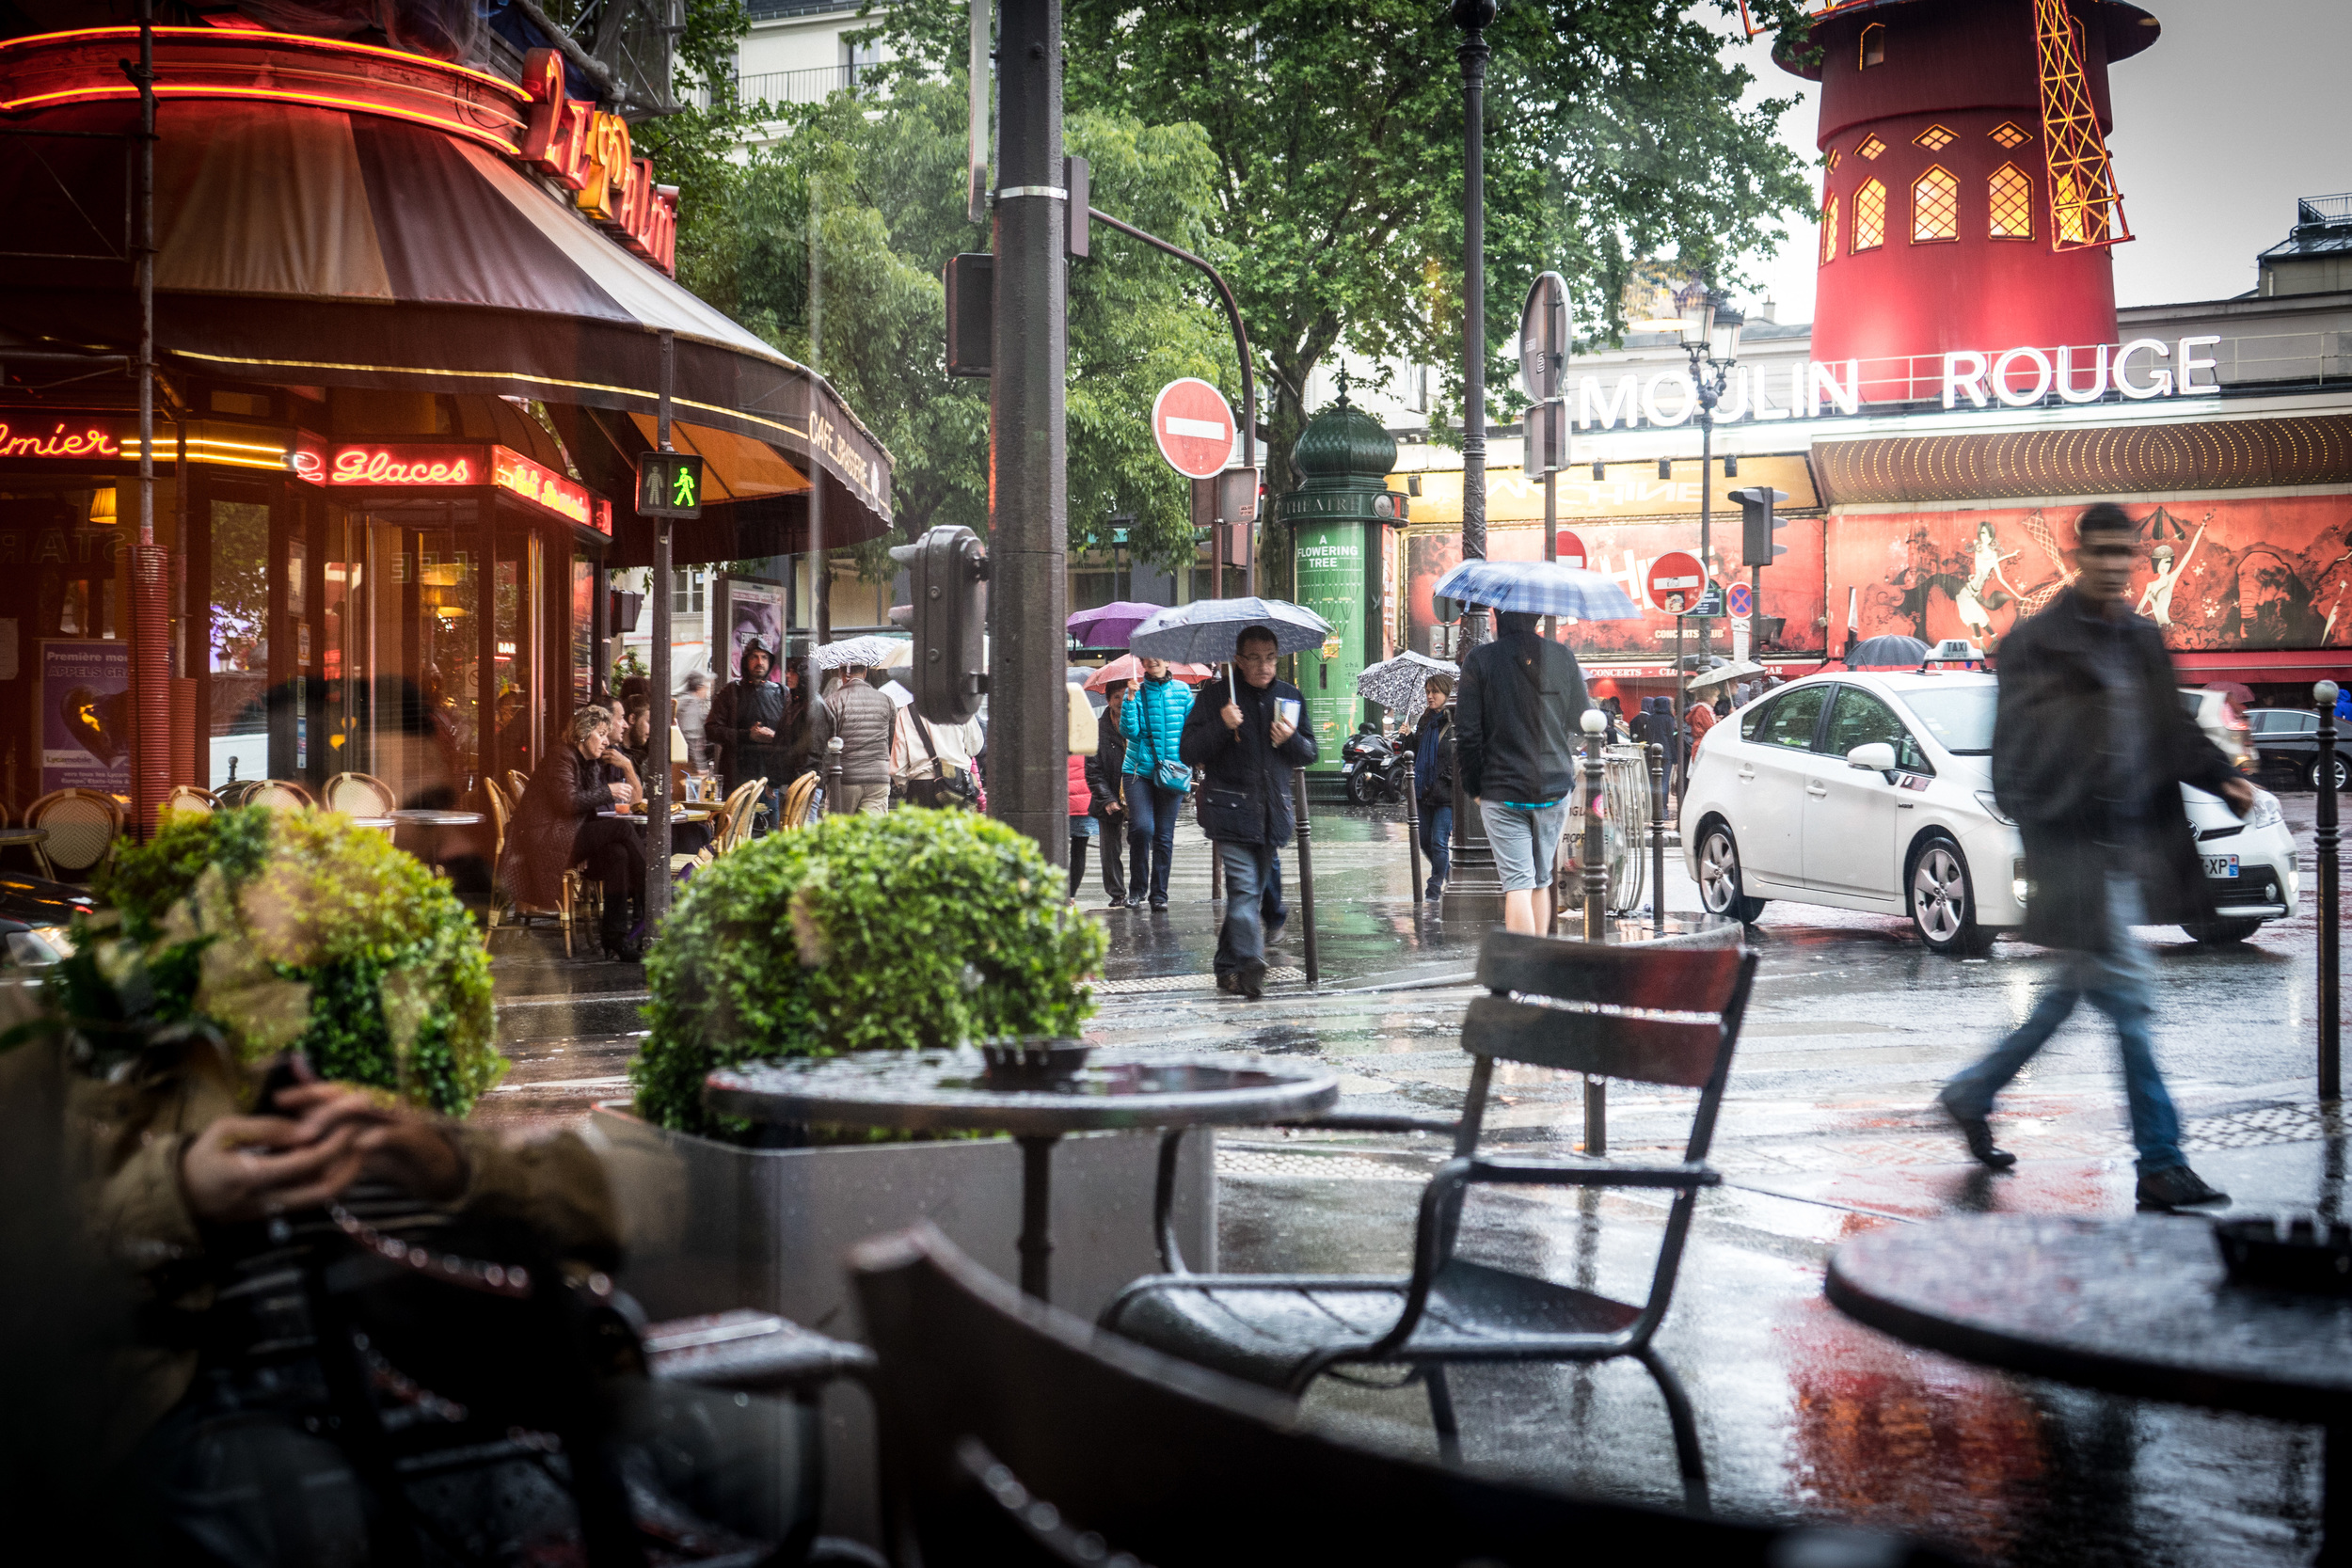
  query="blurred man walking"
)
[
  {"x": 1521, "y": 701},
  {"x": 2091, "y": 746}
]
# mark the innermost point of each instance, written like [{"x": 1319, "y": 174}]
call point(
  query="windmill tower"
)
[{"x": 1969, "y": 200}]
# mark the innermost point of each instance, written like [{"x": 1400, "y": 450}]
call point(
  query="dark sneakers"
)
[
  {"x": 1978, "y": 1136},
  {"x": 2176, "y": 1187},
  {"x": 1251, "y": 980},
  {"x": 1225, "y": 984}
]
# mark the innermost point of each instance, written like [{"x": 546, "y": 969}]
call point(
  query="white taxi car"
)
[{"x": 1868, "y": 791}]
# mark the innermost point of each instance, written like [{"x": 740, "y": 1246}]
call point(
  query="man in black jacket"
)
[
  {"x": 1246, "y": 736},
  {"x": 1521, "y": 699},
  {"x": 2091, "y": 746},
  {"x": 1103, "y": 785}
]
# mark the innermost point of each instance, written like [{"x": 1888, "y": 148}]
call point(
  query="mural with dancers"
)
[{"x": 2221, "y": 573}]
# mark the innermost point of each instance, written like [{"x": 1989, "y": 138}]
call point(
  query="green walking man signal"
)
[{"x": 669, "y": 485}]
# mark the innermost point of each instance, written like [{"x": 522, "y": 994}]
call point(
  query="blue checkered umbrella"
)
[{"x": 1538, "y": 588}]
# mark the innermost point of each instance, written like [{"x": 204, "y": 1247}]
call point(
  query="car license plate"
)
[{"x": 2223, "y": 867}]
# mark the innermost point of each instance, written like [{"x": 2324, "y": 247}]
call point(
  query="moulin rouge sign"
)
[{"x": 397, "y": 466}]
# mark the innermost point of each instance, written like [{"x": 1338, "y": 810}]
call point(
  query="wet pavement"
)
[{"x": 1825, "y": 1134}]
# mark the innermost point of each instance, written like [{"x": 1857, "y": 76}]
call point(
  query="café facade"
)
[{"x": 412, "y": 322}]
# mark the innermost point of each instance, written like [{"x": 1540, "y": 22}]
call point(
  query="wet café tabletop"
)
[
  {"x": 952, "y": 1089},
  {"x": 2141, "y": 1306}
]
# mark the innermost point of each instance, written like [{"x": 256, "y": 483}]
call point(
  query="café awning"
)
[{"x": 310, "y": 246}]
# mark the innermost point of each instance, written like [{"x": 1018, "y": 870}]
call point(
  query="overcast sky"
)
[{"x": 2234, "y": 113}]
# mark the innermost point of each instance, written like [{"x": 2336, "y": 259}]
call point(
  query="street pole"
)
[
  {"x": 1472, "y": 873},
  {"x": 1412, "y": 825},
  {"x": 1706, "y": 511},
  {"x": 1028, "y": 435},
  {"x": 1656, "y": 839},
  {"x": 2324, "y": 852},
  {"x": 150, "y": 606},
  {"x": 657, "y": 783},
  {"x": 1305, "y": 873},
  {"x": 1595, "y": 726}
]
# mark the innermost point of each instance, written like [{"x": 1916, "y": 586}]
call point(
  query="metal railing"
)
[{"x": 813, "y": 85}]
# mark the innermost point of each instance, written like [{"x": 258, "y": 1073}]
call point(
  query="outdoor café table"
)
[
  {"x": 2140, "y": 1306},
  {"x": 952, "y": 1091},
  {"x": 23, "y": 835}
]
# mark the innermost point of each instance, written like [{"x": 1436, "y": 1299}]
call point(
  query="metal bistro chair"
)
[
  {"x": 1603, "y": 1011},
  {"x": 992, "y": 1403},
  {"x": 83, "y": 826}
]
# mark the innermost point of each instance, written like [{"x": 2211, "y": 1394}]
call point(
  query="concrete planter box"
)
[{"x": 711, "y": 1225}]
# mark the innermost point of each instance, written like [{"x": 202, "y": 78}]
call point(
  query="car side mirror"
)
[{"x": 1876, "y": 757}]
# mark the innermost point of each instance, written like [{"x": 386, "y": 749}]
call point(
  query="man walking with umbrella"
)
[
  {"x": 1522, "y": 698},
  {"x": 1244, "y": 734}
]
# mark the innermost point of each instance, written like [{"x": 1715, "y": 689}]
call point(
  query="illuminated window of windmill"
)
[
  {"x": 1873, "y": 45},
  {"x": 1935, "y": 139},
  {"x": 1869, "y": 147},
  {"x": 2010, "y": 195},
  {"x": 1934, "y": 208},
  {"x": 1869, "y": 217},
  {"x": 1836, "y": 157},
  {"x": 2008, "y": 135},
  {"x": 1829, "y": 230}
]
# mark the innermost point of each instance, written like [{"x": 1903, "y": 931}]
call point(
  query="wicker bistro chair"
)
[
  {"x": 280, "y": 795},
  {"x": 580, "y": 899},
  {"x": 799, "y": 796},
  {"x": 1544, "y": 1008},
  {"x": 189, "y": 799},
  {"x": 83, "y": 826},
  {"x": 358, "y": 795}
]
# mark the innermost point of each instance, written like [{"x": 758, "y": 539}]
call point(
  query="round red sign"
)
[
  {"x": 1194, "y": 428},
  {"x": 1570, "y": 549},
  {"x": 1675, "y": 582}
]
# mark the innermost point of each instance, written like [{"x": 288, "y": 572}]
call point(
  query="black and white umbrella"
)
[
  {"x": 1206, "y": 631},
  {"x": 1401, "y": 684},
  {"x": 870, "y": 653}
]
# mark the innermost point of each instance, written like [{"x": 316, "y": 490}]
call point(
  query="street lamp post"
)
[{"x": 1709, "y": 335}]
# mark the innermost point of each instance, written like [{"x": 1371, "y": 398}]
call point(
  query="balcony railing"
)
[{"x": 812, "y": 85}]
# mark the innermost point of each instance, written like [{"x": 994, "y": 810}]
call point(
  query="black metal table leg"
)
[
  {"x": 2335, "y": 1500},
  {"x": 1037, "y": 1208}
]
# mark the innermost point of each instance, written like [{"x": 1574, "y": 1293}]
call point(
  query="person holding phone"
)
[
  {"x": 561, "y": 824},
  {"x": 1245, "y": 736}
]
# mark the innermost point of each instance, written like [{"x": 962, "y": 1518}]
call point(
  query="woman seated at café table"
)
[{"x": 558, "y": 826}]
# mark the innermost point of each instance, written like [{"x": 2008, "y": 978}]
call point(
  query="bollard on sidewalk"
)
[
  {"x": 1656, "y": 839},
  {"x": 1306, "y": 874},
  {"x": 1595, "y": 725},
  {"x": 1412, "y": 825},
  {"x": 2323, "y": 843},
  {"x": 832, "y": 776}
]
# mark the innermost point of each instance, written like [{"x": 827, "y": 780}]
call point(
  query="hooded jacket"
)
[
  {"x": 1519, "y": 702},
  {"x": 739, "y": 706}
]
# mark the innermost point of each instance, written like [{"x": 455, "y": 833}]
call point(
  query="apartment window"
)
[
  {"x": 1870, "y": 147},
  {"x": 1935, "y": 139},
  {"x": 857, "y": 59},
  {"x": 2010, "y": 193},
  {"x": 1873, "y": 45},
  {"x": 1869, "y": 217},
  {"x": 1829, "y": 230},
  {"x": 1934, "y": 208},
  {"x": 2008, "y": 135},
  {"x": 686, "y": 592}
]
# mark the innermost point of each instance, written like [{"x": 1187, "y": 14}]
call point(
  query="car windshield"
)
[{"x": 1960, "y": 718}]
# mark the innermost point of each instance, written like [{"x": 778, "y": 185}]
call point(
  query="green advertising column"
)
[{"x": 1336, "y": 516}]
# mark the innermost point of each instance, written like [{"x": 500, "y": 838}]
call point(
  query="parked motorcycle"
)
[{"x": 1371, "y": 766}]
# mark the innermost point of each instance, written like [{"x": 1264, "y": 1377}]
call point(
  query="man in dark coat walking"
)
[
  {"x": 1521, "y": 699},
  {"x": 2091, "y": 746},
  {"x": 1246, "y": 736},
  {"x": 748, "y": 727}
]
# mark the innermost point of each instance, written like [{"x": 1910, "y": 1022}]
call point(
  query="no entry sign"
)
[
  {"x": 1569, "y": 550},
  {"x": 1194, "y": 428},
  {"x": 1675, "y": 582}
]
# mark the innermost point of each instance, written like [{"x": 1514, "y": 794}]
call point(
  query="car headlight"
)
[
  {"x": 1993, "y": 809},
  {"x": 2265, "y": 811},
  {"x": 2018, "y": 886}
]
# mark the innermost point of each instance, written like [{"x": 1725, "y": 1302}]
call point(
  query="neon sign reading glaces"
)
[
  {"x": 90, "y": 442},
  {"x": 381, "y": 466}
]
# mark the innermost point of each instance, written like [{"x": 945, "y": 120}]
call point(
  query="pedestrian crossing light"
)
[
  {"x": 669, "y": 485},
  {"x": 947, "y": 575},
  {"x": 1758, "y": 525}
]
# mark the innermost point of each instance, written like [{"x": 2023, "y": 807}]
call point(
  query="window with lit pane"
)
[
  {"x": 1829, "y": 230},
  {"x": 1934, "y": 207},
  {"x": 1869, "y": 217},
  {"x": 2010, "y": 196}
]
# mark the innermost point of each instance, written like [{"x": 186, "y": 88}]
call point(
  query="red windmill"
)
[{"x": 1944, "y": 226}]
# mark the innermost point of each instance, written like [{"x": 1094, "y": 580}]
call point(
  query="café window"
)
[{"x": 687, "y": 587}]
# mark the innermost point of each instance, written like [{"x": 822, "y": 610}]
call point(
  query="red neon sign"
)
[
  {"x": 396, "y": 466},
  {"x": 588, "y": 153},
  {"x": 541, "y": 486},
  {"x": 88, "y": 442}
]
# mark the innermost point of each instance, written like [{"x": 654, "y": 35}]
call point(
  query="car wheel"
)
[
  {"x": 1944, "y": 901},
  {"x": 2343, "y": 774},
  {"x": 2214, "y": 933},
  {"x": 1359, "y": 789},
  {"x": 1720, "y": 882}
]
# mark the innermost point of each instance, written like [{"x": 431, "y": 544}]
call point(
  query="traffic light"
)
[
  {"x": 669, "y": 485},
  {"x": 1758, "y": 525},
  {"x": 946, "y": 574}
]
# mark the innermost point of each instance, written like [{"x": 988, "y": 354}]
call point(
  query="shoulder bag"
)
[
  {"x": 1172, "y": 772},
  {"x": 946, "y": 786}
]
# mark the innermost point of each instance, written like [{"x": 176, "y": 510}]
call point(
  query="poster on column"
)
[
  {"x": 1331, "y": 568},
  {"x": 2257, "y": 573},
  {"x": 1623, "y": 551},
  {"x": 85, "y": 715}
]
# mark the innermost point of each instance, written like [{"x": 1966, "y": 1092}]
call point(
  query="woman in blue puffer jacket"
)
[{"x": 1152, "y": 720}]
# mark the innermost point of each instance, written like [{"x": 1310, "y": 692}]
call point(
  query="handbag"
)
[
  {"x": 1170, "y": 773},
  {"x": 947, "y": 787}
]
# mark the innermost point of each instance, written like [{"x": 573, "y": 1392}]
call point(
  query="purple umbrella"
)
[{"x": 1112, "y": 625}]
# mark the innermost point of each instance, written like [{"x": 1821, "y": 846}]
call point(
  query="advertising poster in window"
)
[
  {"x": 84, "y": 716},
  {"x": 1331, "y": 564},
  {"x": 2257, "y": 573},
  {"x": 755, "y": 609}
]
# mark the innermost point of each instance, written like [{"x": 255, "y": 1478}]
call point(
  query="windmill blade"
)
[{"x": 2086, "y": 209}]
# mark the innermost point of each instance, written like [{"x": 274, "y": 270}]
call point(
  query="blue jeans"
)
[
  {"x": 1150, "y": 836},
  {"x": 1436, "y": 842},
  {"x": 1249, "y": 871},
  {"x": 2114, "y": 979}
]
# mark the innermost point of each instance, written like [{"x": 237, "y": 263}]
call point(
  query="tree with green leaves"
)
[
  {"x": 1615, "y": 134},
  {"x": 833, "y": 247}
]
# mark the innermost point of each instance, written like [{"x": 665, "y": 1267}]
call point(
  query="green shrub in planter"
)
[
  {"x": 917, "y": 929},
  {"x": 295, "y": 929}
]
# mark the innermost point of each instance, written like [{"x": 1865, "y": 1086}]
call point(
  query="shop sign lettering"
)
[
  {"x": 513, "y": 472},
  {"x": 587, "y": 151},
  {"x": 62, "y": 440},
  {"x": 382, "y": 466}
]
